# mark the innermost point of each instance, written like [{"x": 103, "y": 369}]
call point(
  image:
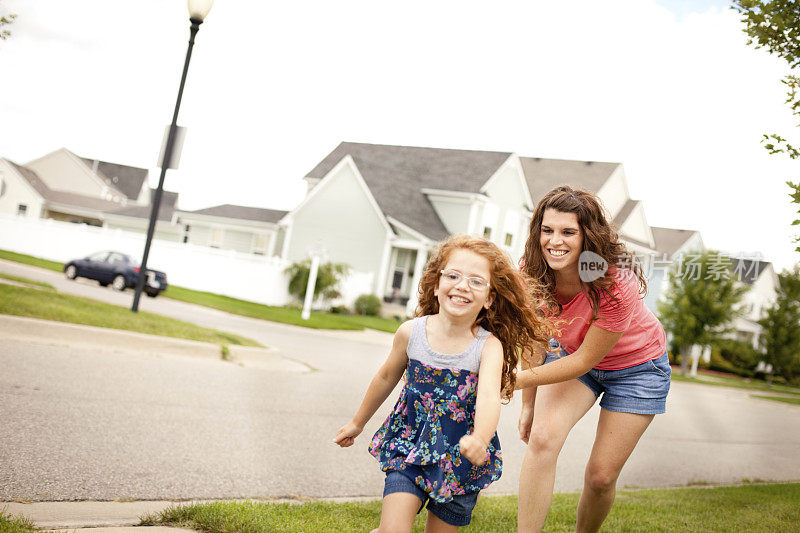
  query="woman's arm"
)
[
  {"x": 487, "y": 406},
  {"x": 597, "y": 343},
  {"x": 379, "y": 388}
]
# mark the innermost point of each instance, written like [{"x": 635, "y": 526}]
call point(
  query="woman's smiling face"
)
[{"x": 561, "y": 239}]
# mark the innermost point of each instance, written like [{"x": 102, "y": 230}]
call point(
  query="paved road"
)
[{"x": 105, "y": 424}]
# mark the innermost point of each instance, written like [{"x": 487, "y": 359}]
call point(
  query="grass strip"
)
[
  {"x": 35, "y": 303},
  {"x": 751, "y": 508},
  {"x": 11, "y": 524},
  {"x": 782, "y": 399},
  {"x": 31, "y": 260},
  {"x": 279, "y": 314},
  {"x": 27, "y": 281},
  {"x": 737, "y": 383}
]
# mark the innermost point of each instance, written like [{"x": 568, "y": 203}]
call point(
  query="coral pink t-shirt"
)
[{"x": 643, "y": 337}]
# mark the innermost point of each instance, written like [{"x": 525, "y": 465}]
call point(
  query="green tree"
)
[
  {"x": 774, "y": 25},
  {"x": 781, "y": 335},
  {"x": 326, "y": 288},
  {"x": 5, "y": 20},
  {"x": 701, "y": 301}
]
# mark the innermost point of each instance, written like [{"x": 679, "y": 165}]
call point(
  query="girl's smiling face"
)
[
  {"x": 561, "y": 240},
  {"x": 459, "y": 298}
]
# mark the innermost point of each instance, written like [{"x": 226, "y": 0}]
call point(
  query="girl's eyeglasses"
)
[{"x": 454, "y": 276}]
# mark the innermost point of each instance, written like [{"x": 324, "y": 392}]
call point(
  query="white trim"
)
[
  {"x": 380, "y": 281},
  {"x": 286, "y": 222},
  {"x": 240, "y": 222},
  {"x": 473, "y": 218},
  {"x": 346, "y": 160},
  {"x": 453, "y": 195},
  {"x": 513, "y": 160},
  {"x": 419, "y": 266}
]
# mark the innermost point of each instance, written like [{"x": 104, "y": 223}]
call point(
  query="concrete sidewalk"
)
[
  {"x": 48, "y": 332},
  {"x": 117, "y": 517}
]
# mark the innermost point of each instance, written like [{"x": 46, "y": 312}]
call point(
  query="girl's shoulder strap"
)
[{"x": 416, "y": 342}]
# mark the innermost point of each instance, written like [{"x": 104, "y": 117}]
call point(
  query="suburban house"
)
[
  {"x": 762, "y": 283},
  {"x": 26, "y": 193},
  {"x": 671, "y": 245},
  {"x": 381, "y": 209},
  {"x": 232, "y": 227}
]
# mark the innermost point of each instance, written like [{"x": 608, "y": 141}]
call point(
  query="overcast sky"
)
[{"x": 668, "y": 88}]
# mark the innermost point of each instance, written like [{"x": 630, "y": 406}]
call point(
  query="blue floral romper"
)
[{"x": 419, "y": 439}]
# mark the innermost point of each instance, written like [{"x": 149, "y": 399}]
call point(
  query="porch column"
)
[{"x": 419, "y": 265}]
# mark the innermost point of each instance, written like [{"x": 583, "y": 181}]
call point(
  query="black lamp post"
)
[{"x": 198, "y": 9}]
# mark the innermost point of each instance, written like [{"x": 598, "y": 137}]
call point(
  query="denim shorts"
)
[
  {"x": 456, "y": 512},
  {"x": 640, "y": 389}
]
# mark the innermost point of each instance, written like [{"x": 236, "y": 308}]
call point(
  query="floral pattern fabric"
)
[{"x": 420, "y": 436}]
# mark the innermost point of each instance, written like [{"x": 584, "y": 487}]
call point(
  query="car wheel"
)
[
  {"x": 152, "y": 294},
  {"x": 71, "y": 272},
  {"x": 119, "y": 282}
]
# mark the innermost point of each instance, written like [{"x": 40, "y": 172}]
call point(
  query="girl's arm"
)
[
  {"x": 379, "y": 388},
  {"x": 528, "y": 399},
  {"x": 487, "y": 406},
  {"x": 597, "y": 343}
]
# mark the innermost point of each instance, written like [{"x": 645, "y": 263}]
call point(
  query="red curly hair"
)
[{"x": 514, "y": 316}]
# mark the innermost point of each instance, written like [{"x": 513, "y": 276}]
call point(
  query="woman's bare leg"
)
[
  {"x": 558, "y": 407},
  {"x": 617, "y": 436}
]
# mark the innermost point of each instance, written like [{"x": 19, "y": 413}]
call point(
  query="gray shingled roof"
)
[
  {"x": 63, "y": 197},
  {"x": 127, "y": 179},
  {"x": 241, "y": 212},
  {"x": 395, "y": 176},
  {"x": 544, "y": 174},
  {"x": 625, "y": 212},
  {"x": 749, "y": 270},
  {"x": 669, "y": 240},
  {"x": 165, "y": 210}
]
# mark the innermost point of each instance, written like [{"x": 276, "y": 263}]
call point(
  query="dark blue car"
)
[{"x": 116, "y": 269}]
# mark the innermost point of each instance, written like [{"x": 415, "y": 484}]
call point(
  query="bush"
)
[
  {"x": 735, "y": 356},
  {"x": 328, "y": 277},
  {"x": 368, "y": 304},
  {"x": 339, "y": 310}
]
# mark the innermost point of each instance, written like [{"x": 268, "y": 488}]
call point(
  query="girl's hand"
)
[
  {"x": 473, "y": 448},
  {"x": 347, "y": 434},
  {"x": 525, "y": 423}
]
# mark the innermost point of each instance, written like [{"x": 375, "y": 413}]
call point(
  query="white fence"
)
[{"x": 246, "y": 276}]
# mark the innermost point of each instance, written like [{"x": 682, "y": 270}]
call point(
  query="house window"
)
[
  {"x": 260, "y": 243},
  {"x": 487, "y": 232},
  {"x": 509, "y": 239},
  {"x": 22, "y": 210},
  {"x": 216, "y": 237}
]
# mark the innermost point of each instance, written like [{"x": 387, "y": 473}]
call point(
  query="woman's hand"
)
[
  {"x": 347, "y": 434},
  {"x": 473, "y": 448},
  {"x": 525, "y": 423}
]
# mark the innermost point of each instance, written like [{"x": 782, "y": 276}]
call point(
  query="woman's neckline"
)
[{"x": 428, "y": 344}]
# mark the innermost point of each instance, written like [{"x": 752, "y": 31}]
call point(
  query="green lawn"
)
[
  {"x": 48, "y": 305},
  {"x": 782, "y": 399},
  {"x": 30, "y": 260},
  {"x": 751, "y": 508},
  {"x": 279, "y": 314},
  {"x": 736, "y": 382},
  {"x": 26, "y": 281}
]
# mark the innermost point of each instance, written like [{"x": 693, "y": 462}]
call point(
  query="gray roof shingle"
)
[
  {"x": 242, "y": 212},
  {"x": 128, "y": 180},
  {"x": 544, "y": 174},
  {"x": 395, "y": 176},
  {"x": 669, "y": 240}
]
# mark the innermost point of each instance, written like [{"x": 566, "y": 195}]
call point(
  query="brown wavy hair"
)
[
  {"x": 514, "y": 317},
  {"x": 599, "y": 237}
]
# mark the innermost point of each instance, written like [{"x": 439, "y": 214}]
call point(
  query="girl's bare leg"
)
[
  {"x": 437, "y": 525},
  {"x": 617, "y": 436},
  {"x": 398, "y": 512},
  {"x": 558, "y": 407}
]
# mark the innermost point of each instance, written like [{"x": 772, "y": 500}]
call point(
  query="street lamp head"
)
[{"x": 198, "y": 9}]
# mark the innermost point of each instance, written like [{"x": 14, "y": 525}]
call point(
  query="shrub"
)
[
  {"x": 339, "y": 310},
  {"x": 368, "y": 304},
  {"x": 328, "y": 277}
]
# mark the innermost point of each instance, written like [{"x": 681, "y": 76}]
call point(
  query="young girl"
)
[
  {"x": 609, "y": 345},
  {"x": 458, "y": 356}
]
